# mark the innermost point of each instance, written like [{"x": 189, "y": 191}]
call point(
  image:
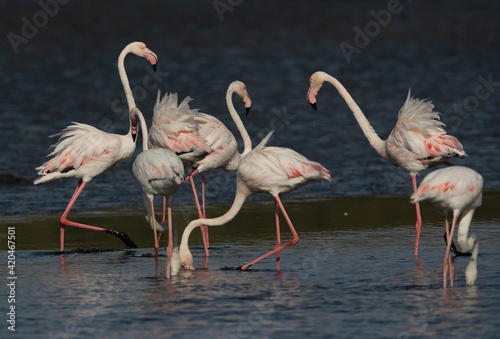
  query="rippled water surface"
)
[{"x": 353, "y": 273}]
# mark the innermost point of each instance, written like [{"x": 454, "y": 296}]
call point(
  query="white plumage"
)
[{"x": 458, "y": 190}]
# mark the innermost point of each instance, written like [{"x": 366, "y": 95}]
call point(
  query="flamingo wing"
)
[
  {"x": 174, "y": 127},
  {"x": 78, "y": 145},
  {"x": 451, "y": 188},
  {"x": 419, "y": 135}
]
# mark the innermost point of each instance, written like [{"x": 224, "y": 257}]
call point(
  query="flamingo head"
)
[
  {"x": 134, "y": 122},
  {"x": 186, "y": 258},
  {"x": 240, "y": 89},
  {"x": 140, "y": 49},
  {"x": 316, "y": 81}
]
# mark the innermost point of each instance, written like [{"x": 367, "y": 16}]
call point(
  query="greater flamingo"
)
[
  {"x": 83, "y": 151},
  {"x": 159, "y": 172},
  {"x": 418, "y": 141},
  {"x": 174, "y": 128},
  {"x": 225, "y": 153},
  {"x": 458, "y": 190},
  {"x": 273, "y": 170}
]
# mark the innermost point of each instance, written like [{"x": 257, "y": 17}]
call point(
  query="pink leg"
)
[
  {"x": 170, "y": 240},
  {"x": 278, "y": 235},
  {"x": 418, "y": 225},
  {"x": 204, "y": 228},
  {"x": 164, "y": 208},
  {"x": 157, "y": 242},
  {"x": 200, "y": 214},
  {"x": 294, "y": 240},
  {"x": 65, "y": 222},
  {"x": 447, "y": 264}
]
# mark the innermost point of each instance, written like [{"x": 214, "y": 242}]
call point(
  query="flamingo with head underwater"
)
[
  {"x": 225, "y": 153},
  {"x": 265, "y": 169},
  {"x": 159, "y": 172},
  {"x": 84, "y": 151},
  {"x": 458, "y": 190},
  {"x": 174, "y": 128},
  {"x": 417, "y": 142}
]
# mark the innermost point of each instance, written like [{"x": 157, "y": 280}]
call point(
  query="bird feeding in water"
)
[
  {"x": 417, "y": 142},
  {"x": 458, "y": 190},
  {"x": 265, "y": 169}
]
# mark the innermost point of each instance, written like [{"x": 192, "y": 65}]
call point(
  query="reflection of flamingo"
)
[
  {"x": 225, "y": 148},
  {"x": 174, "y": 128},
  {"x": 455, "y": 189},
  {"x": 273, "y": 170},
  {"x": 159, "y": 172},
  {"x": 84, "y": 151},
  {"x": 418, "y": 140}
]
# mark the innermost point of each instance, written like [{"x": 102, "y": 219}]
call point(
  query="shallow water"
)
[{"x": 353, "y": 273}]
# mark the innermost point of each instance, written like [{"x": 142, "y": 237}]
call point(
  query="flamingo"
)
[
  {"x": 174, "y": 128},
  {"x": 84, "y": 151},
  {"x": 225, "y": 153},
  {"x": 273, "y": 170},
  {"x": 159, "y": 172},
  {"x": 417, "y": 142},
  {"x": 458, "y": 190}
]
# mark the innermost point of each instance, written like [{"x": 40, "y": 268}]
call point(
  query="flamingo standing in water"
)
[
  {"x": 159, "y": 172},
  {"x": 225, "y": 153},
  {"x": 418, "y": 141},
  {"x": 273, "y": 170},
  {"x": 458, "y": 190},
  {"x": 83, "y": 151},
  {"x": 174, "y": 128}
]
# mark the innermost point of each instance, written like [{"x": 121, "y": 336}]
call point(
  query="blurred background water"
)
[{"x": 65, "y": 70}]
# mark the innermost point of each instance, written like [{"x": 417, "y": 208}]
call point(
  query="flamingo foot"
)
[
  {"x": 123, "y": 237},
  {"x": 455, "y": 250}
]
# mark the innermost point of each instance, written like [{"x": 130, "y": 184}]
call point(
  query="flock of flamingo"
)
[{"x": 183, "y": 142}]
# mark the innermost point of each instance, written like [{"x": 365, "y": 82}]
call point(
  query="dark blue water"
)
[{"x": 336, "y": 283}]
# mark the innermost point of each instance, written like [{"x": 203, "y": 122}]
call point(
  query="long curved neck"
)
[
  {"x": 149, "y": 215},
  {"x": 124, "y": 78},
  {"x": 241, "y": 194},
  {"x": 373, "y": 138},
  {"x": 144, "y": 128},
  {"x": 247, "y": 142},
  {"x": 465, "y": 243}
]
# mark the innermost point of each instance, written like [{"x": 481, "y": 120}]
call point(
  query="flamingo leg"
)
[
  {"x": 203, "y": 229},
  {"x": 294, "y": 240},
  {"x": 418, "y": 225},
  {"x": 63, "y": 222},
  {"x": 170, "y": 240},
  {"x": 157, "y": 245},
  {"x": 447, "y": 264},
  {"x": 164, "y": 207},
  {"x": 278, "y": 235}
]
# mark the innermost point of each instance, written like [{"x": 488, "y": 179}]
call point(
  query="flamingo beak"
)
[
  {"x": 152, "y": 58},
  {"x": 248, "y": 102},
  {"x": 311, "y": 97}
]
